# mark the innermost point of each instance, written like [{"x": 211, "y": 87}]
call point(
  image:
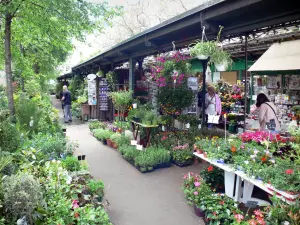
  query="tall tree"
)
[{"x": 45, "y": 30}]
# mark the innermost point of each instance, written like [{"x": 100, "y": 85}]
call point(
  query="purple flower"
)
[{"x": 196, "y": 193}]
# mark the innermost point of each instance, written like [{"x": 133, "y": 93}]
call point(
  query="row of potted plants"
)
[{"x": 259, "y": 156}]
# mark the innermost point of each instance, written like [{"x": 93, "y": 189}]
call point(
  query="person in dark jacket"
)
[{"x": 67, "y": 102}]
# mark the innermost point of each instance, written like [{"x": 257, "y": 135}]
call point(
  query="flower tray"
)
[
  {"x": 164, "y": 165},
  {"x": 145, "y": 171},
  {"x": 187, "y": 163}
]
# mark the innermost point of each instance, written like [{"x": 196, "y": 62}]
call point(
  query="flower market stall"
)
[
  {"x": 260, "y": 158},
  {"x": 277, "y": 74}
]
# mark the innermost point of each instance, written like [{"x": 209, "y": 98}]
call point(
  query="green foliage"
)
[
  {"x": 120, "y": 139},
  {"x": 207, "y": 48},
  {"x": 96, "y": 125},
  {"x": 102, "y": 134},
  {"x": 213, "y": 176},
  {"x": 71, "y": 163},
  {"x": 96, "y": 187},
  {"x": 182, "y": 156},
  {"x": 121, "y": 100},
  {"x": 9, "y": 137},
  {"x": 22, "y": 194},
  {"x": 50, "y": 145},
  {"x": 279, "y": 212},
  {"x": 175, "y": 99},
  {"x": 28, "y": 115},
  {"x": 112, "y": 80},
  {"x": 32, "y": 87}
]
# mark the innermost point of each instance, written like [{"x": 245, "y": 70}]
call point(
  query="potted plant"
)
[
  {"x": 182, "y": 155},
  {"x": 232, "y": 126},
  {"x": 144, "y": 162},
  {"x": 96, "y": 188},
  {"x": 195, "y": 190},
  {"x": 134, "y": 104},
  {"x": 222, "y": 60},
  {"x": 219, "y": 209},
  {"x": 202, "y": 50}
]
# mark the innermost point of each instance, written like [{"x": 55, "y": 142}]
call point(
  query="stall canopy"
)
[{"x": 279, "y": 57}]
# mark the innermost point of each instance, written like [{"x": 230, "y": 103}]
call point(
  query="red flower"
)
[
  {"x": 289, "y": 171},
  {"x": 233, "y": 148},
  {"x": 263, "y": 159},
  {"x": 76, "y": 215},
  {"x": 222, "y": 202},
  {"x": 210, "y": 168}
]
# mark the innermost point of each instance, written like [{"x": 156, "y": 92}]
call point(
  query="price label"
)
[{"x": 251, "y": 204}]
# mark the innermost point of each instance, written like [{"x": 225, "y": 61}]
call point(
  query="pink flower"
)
[
  {"x": 252, "y": 222},
  {"x": 75, "y": 204},
  {"x": 197, "y": 184},
  {"x": 238, "y": 217},
  {"x": 258, "y": 213},
  {"x": 196, "y": 193},
  {"x": 289, "y": 171}
]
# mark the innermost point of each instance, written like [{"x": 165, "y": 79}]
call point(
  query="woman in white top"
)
[{"x": 212, "y": 103}]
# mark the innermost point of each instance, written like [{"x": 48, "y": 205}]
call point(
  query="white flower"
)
[
  {"x": 255, "y": 152},
  {"x": 286, "y": 223},
  {"x": 69, "y": 180},
  {"x": 252, "y": 156},
  {"x": 272, "y": 161},
  {"x": 246, "y": 162}
]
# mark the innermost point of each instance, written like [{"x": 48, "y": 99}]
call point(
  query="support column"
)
[
  {"x": 246, "y": 80},
  {"x": 132, "y": 63}
]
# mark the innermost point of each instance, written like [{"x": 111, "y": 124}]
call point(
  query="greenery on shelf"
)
[{"x": 121, "y": 100}]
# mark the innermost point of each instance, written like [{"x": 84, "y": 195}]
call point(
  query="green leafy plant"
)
[
  {"x": 182, "y": 155},
  {"x": 22, "y": 194},
  {"x": 119, "y": 139},
  {"x": 96, "y": 188},
  {"x": 71, "y": 163},
  {"x": 213, "y": 176},
  {"x": 96, "y": 125},
  {"x": 121, "y": 100},
  {"x": 207, "y": 48},
  {"x": 9, "y": 137}
]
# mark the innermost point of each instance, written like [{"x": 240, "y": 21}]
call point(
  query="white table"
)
[{"x": 235, "y": 178}]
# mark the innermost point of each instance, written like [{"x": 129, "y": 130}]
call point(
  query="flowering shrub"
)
[
  {"x": 170, "y": 69},
  {"x": 195, "y": 188}
]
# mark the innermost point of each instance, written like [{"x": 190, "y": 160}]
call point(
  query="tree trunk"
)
[{"x": 8, "y": 70}]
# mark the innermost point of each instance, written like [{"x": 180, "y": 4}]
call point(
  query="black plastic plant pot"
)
[
  {"x": 64, "y": 129},
  {"x": 104, "y": 142},
  {"x": 81, "y": 157},
  {"x": 143, "y": 169},
  {"x": 198, "y": 211}
]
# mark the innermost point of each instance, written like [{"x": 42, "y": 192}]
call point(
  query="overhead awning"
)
[{"x": 279, "y": 57}]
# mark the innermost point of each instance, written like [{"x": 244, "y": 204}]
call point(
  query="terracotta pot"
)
[
  {"x": 114, "y": 145},
  {"x": 109, "y": 143},
  {"x": 199, "y": 151}
]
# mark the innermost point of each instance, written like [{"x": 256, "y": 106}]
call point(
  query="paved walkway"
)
[{"x": 135, "y": 199}]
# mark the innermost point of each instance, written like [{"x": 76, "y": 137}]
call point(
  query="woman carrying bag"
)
[
  {"x": 267, "y": 112},
  {"x": 213, "y": 104}
]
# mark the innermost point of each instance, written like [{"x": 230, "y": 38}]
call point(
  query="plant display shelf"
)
[
  {"x": 135, "y": 130},
  {"x": 233, "y": 184}
]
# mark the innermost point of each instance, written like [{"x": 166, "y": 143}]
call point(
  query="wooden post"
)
[{"x": 132, "y": 63}]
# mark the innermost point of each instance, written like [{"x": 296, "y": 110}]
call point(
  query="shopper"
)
[
  {"x": 267, "y": 112},
  {"x": 213, "y": 104},
  {"x": 67, "y": 100}
]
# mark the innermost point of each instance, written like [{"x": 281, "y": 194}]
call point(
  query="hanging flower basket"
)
[
  {"x": 221, "y": 67},
  {"x": 202, "y": 57}
]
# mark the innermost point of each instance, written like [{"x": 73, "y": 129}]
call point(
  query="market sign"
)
[{"x": 92, "y": 89}]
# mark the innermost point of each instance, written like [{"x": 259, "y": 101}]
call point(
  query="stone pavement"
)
[{"x": 134, "y": 198}]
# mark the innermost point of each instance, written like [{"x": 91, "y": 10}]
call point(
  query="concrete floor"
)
[{"x": 153, "y": 198}]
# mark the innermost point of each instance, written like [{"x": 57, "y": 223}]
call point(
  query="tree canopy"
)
[{"x": 38, "y": 34}]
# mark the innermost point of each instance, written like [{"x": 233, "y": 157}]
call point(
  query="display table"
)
[
  {"x": 244, "y": 193},
  {"x": 135, "y": 130}
]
